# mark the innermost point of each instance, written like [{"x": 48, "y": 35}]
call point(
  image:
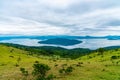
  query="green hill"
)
[{"x": 98, "y": 65}]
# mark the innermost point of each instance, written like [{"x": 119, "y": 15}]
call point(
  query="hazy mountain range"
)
[{"x": 60, "y": 36}]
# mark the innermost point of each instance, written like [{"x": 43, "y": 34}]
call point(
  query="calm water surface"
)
[{"x": 87, "y": 43}]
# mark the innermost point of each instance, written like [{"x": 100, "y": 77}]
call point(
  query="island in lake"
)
[{"x": 61, "y": 41}]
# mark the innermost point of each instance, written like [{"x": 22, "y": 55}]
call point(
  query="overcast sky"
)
[{"x": 60, "y": 17}]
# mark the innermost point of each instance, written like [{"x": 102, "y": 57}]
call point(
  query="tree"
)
[
  {"x": 40, "y": 71},
  {"x": 101, "y": 51}
]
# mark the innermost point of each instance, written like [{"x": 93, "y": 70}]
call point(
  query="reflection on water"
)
[{"x": 87, "y": 43}]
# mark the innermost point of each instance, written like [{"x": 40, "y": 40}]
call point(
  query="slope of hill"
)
[
  {"x": 49, "y": 50},
  {"x": 99, "y": 65}
]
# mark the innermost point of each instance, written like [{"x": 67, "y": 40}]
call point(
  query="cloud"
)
[
  {"x": 60, "y": 17},
  {"x": 13, "y": 25}
]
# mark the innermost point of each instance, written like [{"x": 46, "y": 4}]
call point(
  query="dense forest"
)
[{"x": 50, "y": 51}]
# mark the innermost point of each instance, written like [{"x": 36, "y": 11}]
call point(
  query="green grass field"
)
[{"x": 88, "y": 67}]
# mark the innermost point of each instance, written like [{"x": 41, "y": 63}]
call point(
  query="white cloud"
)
[
  {"x": 61, "y": 17},
  {"x": 22, "y": 26}
]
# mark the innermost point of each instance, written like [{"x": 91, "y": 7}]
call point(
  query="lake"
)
[{"x": 87, "y": 43}]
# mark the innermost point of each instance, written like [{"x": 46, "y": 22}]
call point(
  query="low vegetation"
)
[{"x": 25, "y": 63}]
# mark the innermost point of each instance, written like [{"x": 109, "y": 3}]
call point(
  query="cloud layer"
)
[{"x": 60, "y": 17}]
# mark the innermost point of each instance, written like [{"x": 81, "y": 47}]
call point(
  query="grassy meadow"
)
[{"x": 95, "y": 66}]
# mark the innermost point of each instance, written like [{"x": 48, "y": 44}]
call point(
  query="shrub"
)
[
  {"x": 69, "y": 69},
  {"x": 66, "y": 70},
  {"x": 19, "y": 59},
  {"x": 56, "y": 65},
  {"x": 63, "y": 65},
  {"x": 36, "y": 61},
  {"x": 17, "y": 65},
  {"x": 50, "y": 77},
  {"x": 24, "y": 72},
  {"x": 11, "y": 50},
  {"x": 11, "y": 56},
  {"x": 40, "y": 71},
  {"x": 114, "y": 57},
  {"x": 61, "y": 71}
]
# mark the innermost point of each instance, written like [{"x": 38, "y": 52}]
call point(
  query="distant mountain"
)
[
  {"x": 113, "y": 37},
  {"x": 111, "y": 47},
  {"x": 2, "y": 37},
  {"x": 61, "y": 41}
]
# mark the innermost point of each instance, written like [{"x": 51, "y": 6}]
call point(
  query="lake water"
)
[{"x": 87, "y": 43}]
